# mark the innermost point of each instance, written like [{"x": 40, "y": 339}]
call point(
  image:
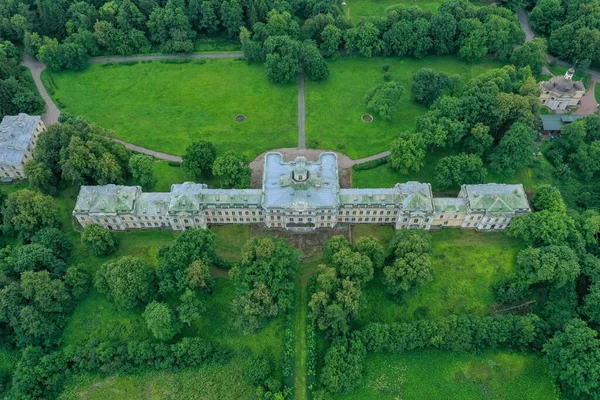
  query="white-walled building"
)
[
  {"x": 300, "y": 196},
  {"x": 18, "y": 138}
]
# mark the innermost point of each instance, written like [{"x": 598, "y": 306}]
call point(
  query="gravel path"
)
[
  {"x": 101, "y": 60},
  {"x": 301, "y": 114},
  {"x": 143, "y": 150},
  {"x": 524, "y": 22},
  {"x": 36, "y": 67}
]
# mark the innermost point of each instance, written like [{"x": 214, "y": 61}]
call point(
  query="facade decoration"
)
[
  {"x": 300, "y": 196},
  {"x": 561, "y": 92},
  {"x": 18, "y": 137}
]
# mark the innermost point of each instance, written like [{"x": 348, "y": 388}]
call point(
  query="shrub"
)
[{"x": 257, "y": 370}]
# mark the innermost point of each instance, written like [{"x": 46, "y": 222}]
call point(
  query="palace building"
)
[
  {"x": 18, "y": 137},
  {"x": 300, "y": 196}
]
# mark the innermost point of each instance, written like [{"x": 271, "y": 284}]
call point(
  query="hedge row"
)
[
  {"x": 370, "y": 164},
  {"x": 41, "y": 376}
]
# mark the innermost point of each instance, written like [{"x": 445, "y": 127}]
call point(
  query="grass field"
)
[
  {"x": 466, "y": 264},
  {"x": 384, "y": 176},
  {"x": 432, "y": 374},
  {"x": 210, "y": 382},
  {"x": 597, "y": 92},
  {"x": 334, "y": 107},
  {"x": 166, "y": 107},
  {"x": 376, "y": 8}
]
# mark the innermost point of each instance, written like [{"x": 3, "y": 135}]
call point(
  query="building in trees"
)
[
  {"x": 553, "y": 124},
  {"x": 562, "y": 92},
  {"x": 18, "y": 137},
  {"x": 300, "y": 195}
]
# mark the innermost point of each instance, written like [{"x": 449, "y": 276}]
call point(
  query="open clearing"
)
[
  {"x": 466, "y": 264},
  {"x": 434, "y": 374},
  {"x": 334, "y": 107},
  {"x": 166, "y": 107},
  {"x": 376, "y": 8}
]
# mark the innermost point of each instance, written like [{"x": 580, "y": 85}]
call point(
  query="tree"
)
[
  {"x": 128, "y": 281},
  {"x": 384, "y": 98},
  {"x": 161, "y": 321},
  {"x": 55, "y": 240},
  {"x": 232, "y": 169},
  {"x": 443, "y": 31},
  {"x": 333, "y": 246},
  {"x": 313, "y": 64},
  {"x": 99, "y": 240},
  {"x": 35, "y": 257},
  {"x": 549, "y": 198},
  {"x": 231, "y": 17},
  {"x": 40, "y": 177},
  {"x": 199, "y": 158},
  {"x": 353, "y": 265},
  {"x": 190, "y": 307},
  {"x": 257, "y": 370},
  {"x": 176, "y": 257},
  {"x": 197, "y": 276},
  {"x": 515, "y": 150},
  {"x": 283, "y": 59},
  {"x": 208, "y": 17},
  {"x": 25, "y": 212},
  {"x": 141, "y": 167},
  {"x": 557, "y": 265},
  {"x": 427, "y": 85},
  {"x": 532, "y": 54},
  {"x": 343, "y": 365},
  {"x": 545, "y": 15},
  {"x": 479, "y": 141},
  {"x": 364, "y": 37},
  {"x": 407, "y": 152},
  {"x": 264, "y": 281},
  {"x": 331, "y": 39},
  {"x": 370, "y": 247},
  {"x": 546, "y": 228},
  {"x": 170, "y": 28},
  {"x": 458, "y": 170},
  {"x": 573, "y": 357}
]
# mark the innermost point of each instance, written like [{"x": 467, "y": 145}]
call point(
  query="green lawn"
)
[
  {"x": 334, "y": 107},
  {"x": 210, "y": 382},
  {"x": 166, "y": 107},
  {"x": 433, "y": 374},
  {"x": 384, "y": 176},
  {"x": 466, "y": 264},
  {"x": 597, "y": 92},
  {"x": 376, "y": 8}
]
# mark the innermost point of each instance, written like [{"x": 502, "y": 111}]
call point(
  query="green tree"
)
[
  {"x": 331, "y": 40},
  {"x": 353, "y": 265},
  {"x": 197, "y": 276},
  {"x": 515, "y": 150},
  {"x": 233, "y": 170},
  {"x": 407, "y": 152},
  {"x": 199, "y": 158},
  {"x": 443, "y": 32},
  {"x": 40, "y": 177},
  {"x": 264, "y": 281},
  {"x": 479, "y": 141},
  {"x": 364, "y": 37},
  {"x": 99, "y": 240},
  {"x": 532, "y": 54},
  {"x": 231, "y": 17},
  {"x": 549, "y": 198},
  {"x": 283, "y": 59},
  {"x": 141, "y": 168},
  {"x": 55, "y": 240},
  {"x": 313, "y": 64},
  {"x": 545, "y": 15},
  {"x": 458, "y": 170},
  {"x": 334, "y": 245},
  {"x": 384, "y": 98},
  {"x": 545, "y": 227},
  {"x": 190, "y": 307},
  {"x": 25, "y": 212},
  {"x": 170, "y": 28},
  {"x": 427, "y": 85},
  {"x": 573, "y": 357},
  {"x": 35, "y": 257},
  {"x": 161, "y": 321},
  {"x": 128, "y": 281},
  {"x": 208, "y": 17},
  {"x": 370, "y": 247},
  {"x": 343, "y": 365}
]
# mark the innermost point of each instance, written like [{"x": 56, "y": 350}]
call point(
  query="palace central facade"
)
[{"x": 300, "y": 195}]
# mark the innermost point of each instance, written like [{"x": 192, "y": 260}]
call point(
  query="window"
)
[
  {"x": 416, "y": 220},
  {"x": 426, "y": 219}
]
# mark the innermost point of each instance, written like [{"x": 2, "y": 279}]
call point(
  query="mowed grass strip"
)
[
  {"x": 376, "y": 8},
  {"x": 466, "y": 265},
  {"x": 166, "y": 107},
  {"x": 334, "y": 108},
  {"x": 433, "y": 374}
]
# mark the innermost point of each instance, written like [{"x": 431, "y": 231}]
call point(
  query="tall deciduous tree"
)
[
  {"x": 460, "y": 169},
  {"x": 170, "y": 28},
  {"x": 515, "y": 150},
  {"x": 199, "y": 158},
  {"x": 407, "y": 152},
  {"x": 549, "y": 198},
  {"x": 128, "y": 281},
  {"x": 427, "y": 85},
  {"x": 384, "y": 98},
  {"x": 141, "y": 167},
  {"x": 25, "y": 212},
  {"x": 233, "y": 170},
  {"x": 99, "y": 240},
  {"x": 161, "y": 320}
]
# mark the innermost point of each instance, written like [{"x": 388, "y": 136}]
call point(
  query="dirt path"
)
[
  {"x": 301, "y": 114},
  {"x": 101, "y": 60},
  {"x": 36, "y": 67},
  {"x": 525, "y": 25}
]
